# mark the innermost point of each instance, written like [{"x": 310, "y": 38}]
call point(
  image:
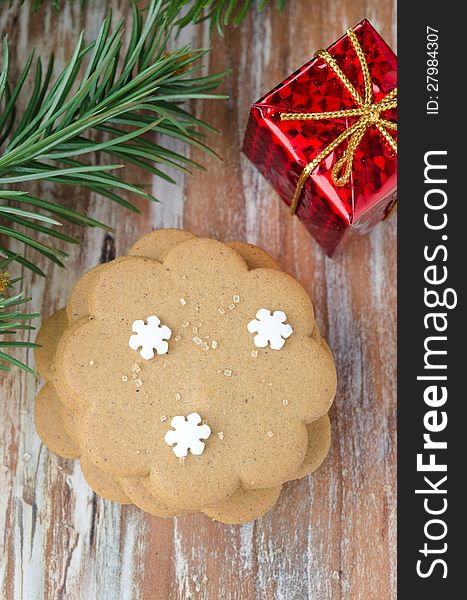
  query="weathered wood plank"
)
[{"x": 331, "y": 536}]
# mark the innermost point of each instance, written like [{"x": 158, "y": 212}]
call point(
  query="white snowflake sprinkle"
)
[
  {"x": 227, "y": 372},
  {"x": 124, "y": 378},
  {"x": 185, "y": 324},
  {"x": 270, "y": 434},
  {"x": 163, "y": 418},
  {"x": 270, "y": 328},
  {"x": 214, "y": 344},
  {"x": 177, "y": 396},
  {"x": 285, "y": 402},
  {"x": 182, "y": 301},
  {"x": 187, "y": 434},
  {"x": 195, "y": 329},
  {"x": 236, "y": 298},
  {"x": 136, "y": 368},
  {"x": 138, "y": 382},
  {"x": 254, "y": 353},
  {"x": 197, "y": 340},
  {"x": 221, "y": 311},
  {"x": 231, "y": 306},
  {"x": 91, "y": 362},
  {"x": 220, "y": 435},
  {"x": 178, "y": 338},
  {"x": 149, "y": 337}
]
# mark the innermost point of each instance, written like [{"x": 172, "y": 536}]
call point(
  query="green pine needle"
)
[{"x": 12, "y": 320}]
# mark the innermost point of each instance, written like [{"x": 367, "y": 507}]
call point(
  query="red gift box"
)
[{"x": 325, "y": 137}]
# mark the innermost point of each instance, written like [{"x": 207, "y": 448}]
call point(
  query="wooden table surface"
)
[{"x": 331, "y": 535}]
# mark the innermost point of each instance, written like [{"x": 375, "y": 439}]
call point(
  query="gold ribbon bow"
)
[{"x": 367, "y": 109}]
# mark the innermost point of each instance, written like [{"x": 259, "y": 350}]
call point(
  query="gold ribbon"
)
[{"x": 367, "y": 109}]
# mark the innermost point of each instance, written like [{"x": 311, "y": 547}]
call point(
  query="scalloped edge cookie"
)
[{"x": 58, "y": 425}]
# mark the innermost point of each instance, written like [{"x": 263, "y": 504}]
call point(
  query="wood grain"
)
[{"x": 332, "y": 535}]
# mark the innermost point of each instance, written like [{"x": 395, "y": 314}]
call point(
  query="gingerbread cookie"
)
[{"x": 188, "y": 376}]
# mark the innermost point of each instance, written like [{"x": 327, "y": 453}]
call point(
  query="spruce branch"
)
[
  {"x": 107, "y": 99},
  {"x": 110, "y": 99},
  {"x": 12, "y": 320}
]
